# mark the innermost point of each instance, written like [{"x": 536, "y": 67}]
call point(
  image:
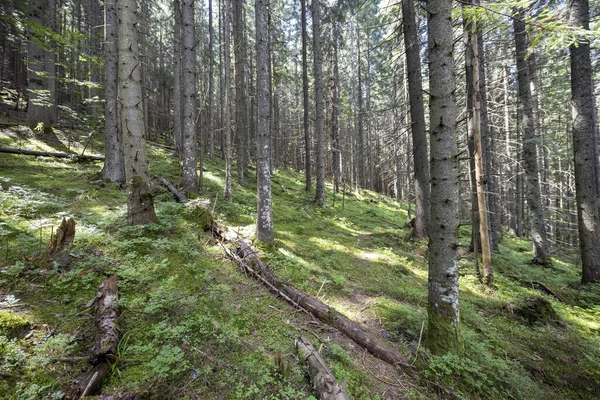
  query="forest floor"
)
[{"x": 194, "y": 326}]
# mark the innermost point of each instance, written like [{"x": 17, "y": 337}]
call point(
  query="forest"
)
[{"x": 279, "y": 199}]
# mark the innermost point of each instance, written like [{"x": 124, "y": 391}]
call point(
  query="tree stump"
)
[{"x": 58, "y": 250}]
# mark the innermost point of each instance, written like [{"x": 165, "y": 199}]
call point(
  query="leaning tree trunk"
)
[
  {"x": 140, "y": 207},
  {"x": 443, "y": 332},
  {"x": 264, "y": 219},
  {"x": 188, "y": 107},
  {"x": 417, "y": 117},
  {"x": 530, "y": 163},
  {"x": 319, "y": 108},
  {"x": 584, "y": 146},
  {"x": 114, "y": 167}
]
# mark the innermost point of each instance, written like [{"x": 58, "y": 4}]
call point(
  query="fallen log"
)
[
  {"x": 247, "y": 258},
  {"x": 164, "y": 146},
  {"x": 116, "y": 396},
  {"x": 180, "y": 196},
  {"x": 60, "y": 246},
  {"x": 325, "y": 384},
  {"x": 76, "y": 157},
  {"x": 107, "y": 340},
  {"x": 90, "y": 383},
  {"x": 547, "y": 290},
  {"x": 107, "y": 324}
]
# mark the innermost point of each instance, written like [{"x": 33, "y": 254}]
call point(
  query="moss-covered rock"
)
[
  {"x": 11, "y": 324},
  {"x": 199, "y": 214},
  {"x": 537, "y": 309}
]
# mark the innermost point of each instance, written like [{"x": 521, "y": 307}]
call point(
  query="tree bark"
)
[
  {"x": 444, "y": 331},
  {"x": 325, "y": 384},
  {"x": 319, "y": 109},
  {"x": 534, "y": 199},
  {"x": 140, "y": 207},
  {"x": 417, "y": 117},
  {"x": 264, "y": 219},
  {"x": 190, "y": 143},
  {"x": 584, "y": 146},
  {"x": 114, "y": 167}
]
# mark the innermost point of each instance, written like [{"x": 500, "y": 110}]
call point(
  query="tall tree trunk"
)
[
  {"x": 50, "y": 22},
  {"x": 488, "y": 151},
  {"x": 140, "y": 206},
  {"x": 417, "y": 117},
  {"x": 319, "y": 109},
  {"x": 37, "y": 87},
  {"x": 211, "y": 83},
  {"x": 361, "y": 175},
  {"x": 335, "y": 115},
  {"x": 226, "y": 103},
  {"x": 534, "y": 200},
  {"x": 114, "y": 167},
  {"x": 264, "y": 219},
  {"x": 241, "y": 119},
  {"x": 584, "y": 146},
  {"x": 307, "y": 150},
  {"x": 509, "y": 163},
  {"x": 189, "y": 180},
  {"x": 444, "y": 333},
  {"x": 474, "y": 124},
  {"x": 177, "y": 84}
]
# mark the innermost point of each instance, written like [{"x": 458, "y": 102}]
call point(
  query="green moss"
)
[
  {"x": 11, "y": 324},
  {"x": 443, "y": 336}
]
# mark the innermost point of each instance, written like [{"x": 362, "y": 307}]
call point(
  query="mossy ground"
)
[{"x": 194, "y": 326}]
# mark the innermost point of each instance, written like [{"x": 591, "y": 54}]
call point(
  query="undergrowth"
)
[{"x": 194, "y": 326}]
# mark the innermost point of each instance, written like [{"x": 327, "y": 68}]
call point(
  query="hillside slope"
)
[{"x": 194, "y": 326}]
